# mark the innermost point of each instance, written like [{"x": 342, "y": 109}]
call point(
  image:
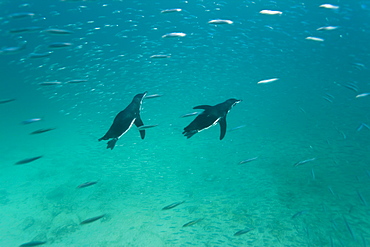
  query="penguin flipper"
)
[
  {"x": 204, "y": 107},
  {"x": 223, "y": 124},
  {"x": 138, "y": 123},
  {"x": 112, "y": 143}
]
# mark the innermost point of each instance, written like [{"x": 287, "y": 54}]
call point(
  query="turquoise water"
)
[{"x": 310, "y": 112}]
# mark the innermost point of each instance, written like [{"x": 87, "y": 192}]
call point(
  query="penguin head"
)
[{"x": 232, "y": 102}]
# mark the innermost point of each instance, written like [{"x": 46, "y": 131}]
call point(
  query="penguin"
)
[
  {"x": 124, "y": 121},
  {"x": 209, "y": 117}
]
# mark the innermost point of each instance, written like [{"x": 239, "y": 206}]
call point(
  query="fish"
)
[
  {"x": 313, "y": 174},
  {"x": 174, "y": 35},
  {"x": 90, "y": 220},
  {"x": 50, "y": 83},
  {"x": 173, "y": 205},
  {"x": 362, "y": 95},
  {"x": 304, "y": 162},
  {"x": 13, "y": 49},
  {"x": 25, "y": 29},
  {"x": 219, "y": 21},
  {"x": 31, "y": 120},
  {"x": 248, "y": 160},
  {"x": 77, "y": 81},
  {"x": 143, "y": 127},
  {"x": 21, "y": 15},
  {"x": 349, "y": 228},
  {"x": 244, "y": 231},
  {"x": 300, "y": 213},
  {"x": 25, "y": 161},
  {"x": 327, "y": 99},
  {"x": 237, "y": 127},
  {"x": 190, "y": 223},
  {"x": 351, "y": 86},
  {"x": 60, "y": 45},
  {"x": 165, "y": 11},
  {"x": 57, "y": 31},
  {"x": 33, "y": 243},
  {"x": 271, "y": 12},
  {"x": 328, "y": 28},
  {"x": 190, "y": 114},
  {"x": 6, "y": 101},
  {"x": 153, "y": 96},
  {"x": 39, "y": 131},
  {"x": 40, "y": 55},
  {"x": 329, "y": 6},
  {"x": 160, "y": 56},
  {"x": 267, "y": 81},
  {"x": 87, "y": 184},
  {"x": 361, "y": 198},
  {"x": 315, "y": 39}
]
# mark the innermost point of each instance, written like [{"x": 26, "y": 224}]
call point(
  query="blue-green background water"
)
[{"x": 285, "y": 122}]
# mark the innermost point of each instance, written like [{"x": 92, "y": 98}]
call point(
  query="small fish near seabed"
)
[
  {"x": 87, "y": 184},
  {"x": 90, "y": 220},
  {"x": 174, "y": 35},
  {"x": 244, "y": 231},
  {"x": 193, "y": 222},
  {"x": 173, "y": 205},
  {"x": 300, "y": 213},
  {"x": 4, "y": 101},
  {"x": 25, "y": 161},
  {"x": 33, "y": 243},
  {"x": 303, "y": 162},
  {"x": 247, "y": 160},
  {"x": 39, "y": 131},
  {"x": 220, "y": 22}
]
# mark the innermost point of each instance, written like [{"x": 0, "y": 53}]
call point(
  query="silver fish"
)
[
  {"x": 190, "y": 114},
  {"x": 244, "y": 231},
  {"x": 304, "y": 162},
  {"x": 147, "y": 127},
  {"x": 190, "y": 223},
  {"x": 172, "y": 205},
  {"x": 31, "y": 120},
  {"x": 90, "y": 220},
  {"x": 248, "y": 160}
]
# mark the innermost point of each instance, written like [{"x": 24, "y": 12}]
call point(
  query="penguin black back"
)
[
  {"x": 124, "y": 121},
  {"x": 209, "y": 117}
]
